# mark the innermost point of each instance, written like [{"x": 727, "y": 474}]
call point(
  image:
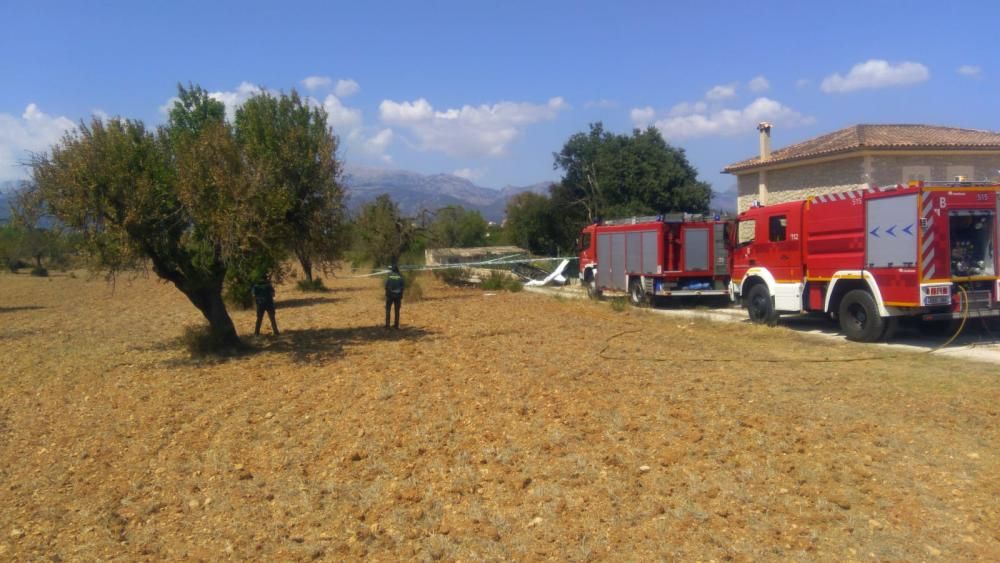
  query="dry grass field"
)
[{"x": 505, "y": 426}]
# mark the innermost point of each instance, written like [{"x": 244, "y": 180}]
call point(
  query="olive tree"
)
[
  {"x": 291, "y": 155},
  {"x": 179, "y": 198}
]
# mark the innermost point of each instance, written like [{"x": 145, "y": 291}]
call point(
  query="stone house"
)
[{"x": 862, "y": 155}]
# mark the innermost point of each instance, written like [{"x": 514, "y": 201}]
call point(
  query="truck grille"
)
[{"x": 979, "y": 299}]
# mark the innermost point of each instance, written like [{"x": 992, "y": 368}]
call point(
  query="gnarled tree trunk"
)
[{"x": 209, "y": 301}]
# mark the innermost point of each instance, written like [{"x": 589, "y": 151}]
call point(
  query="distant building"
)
[{"x": 861, "y": 155}]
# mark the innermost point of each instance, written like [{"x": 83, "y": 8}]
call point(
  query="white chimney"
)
[{"x": 765, "y": 140}]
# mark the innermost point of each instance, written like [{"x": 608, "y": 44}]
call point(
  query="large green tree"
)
[
  {"x": 533, "y": 222},
  {"x": 290, "y": 152},
  {"x": 607, "y": 174},
  {"x": 454, "y": 226},
  {"x": 383, "y": 233},
  {"x": 180, "y": 198}
]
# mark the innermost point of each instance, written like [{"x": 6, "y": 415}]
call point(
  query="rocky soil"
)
[{"x": 491, "y": 426}]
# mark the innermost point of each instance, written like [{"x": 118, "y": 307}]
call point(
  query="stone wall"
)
[
  {"x": 890, "y": 170},
  {"x": 800, "y": 182}
]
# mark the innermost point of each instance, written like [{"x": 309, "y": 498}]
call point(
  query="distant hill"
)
[
  {"x": 725, "y": 200},
  {"x": 414, "y": 192}
]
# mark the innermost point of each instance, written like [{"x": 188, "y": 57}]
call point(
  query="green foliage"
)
[
  {"x": 10, "y": 247},
  {"x": 607, "y": 175},
  {"x": 498, "y": 280},
  {"x": 618, "y": 304},
  {"x": 452, "y": 276},
  {"x": 291, "y": 153},
  {"x": 533, "y": 223},
  {"x": 414, "y": 288},
  {"x": 455, "y": 227},
  {"x": 382, "y": 233},
  {"x": 24, "y": 239},
  {"x": 180, "y": 197},
  {"x": 315, "y": 285}
]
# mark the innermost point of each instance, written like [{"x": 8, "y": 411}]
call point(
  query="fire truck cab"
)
[{"x": 869, "y": 256}]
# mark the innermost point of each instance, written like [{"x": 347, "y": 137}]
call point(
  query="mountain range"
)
[{"x": 414, "y": 192}]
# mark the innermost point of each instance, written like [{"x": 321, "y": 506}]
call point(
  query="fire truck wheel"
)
[
  {"x": 638, "y": 294},
  {"x": 760, "y": 308},
  {"x": 592, "y": 291},
  {"x": 859, "y": 318}
]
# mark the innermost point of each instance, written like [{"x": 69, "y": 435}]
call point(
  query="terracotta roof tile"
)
[{"x": 883, "y": 137}]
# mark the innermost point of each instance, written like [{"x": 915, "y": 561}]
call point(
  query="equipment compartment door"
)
[
  {"x": 891, "y": 232},
  {"x": 696, "y": 250}
]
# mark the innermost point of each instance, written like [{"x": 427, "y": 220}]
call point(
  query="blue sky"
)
[{"x": 489, "y": 90}]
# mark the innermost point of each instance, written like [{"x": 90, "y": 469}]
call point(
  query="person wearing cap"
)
[
  {"x": 394, "y": 285},
  {"x": 263, "y": 296}
]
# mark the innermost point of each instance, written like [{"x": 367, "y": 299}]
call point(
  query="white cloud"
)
[
  {"x": 687, "y": 108},
  {"x": 346, "y": 88},
  {"x": 33, "y": 132},
  {"x": 759, "y": 84},
  {"x": 313, "y": 83},
  {"x": 728, "y": 122},
  {"x": 469, "y": 130},
  {"x": 342, "y": 118},
  {"x": 377, "y": 144},
  {"x": 802, "y": 83},
  {"x": 970, "y": 71},
  {"x": 470, "y": 174},
  {"x": 236, "y": 98},
  {"x": 876, "y": 74},
  {"x": 721, "y": 92},
  {"x": 602, "y": 103},
  {"x": 642, "y": 117}
]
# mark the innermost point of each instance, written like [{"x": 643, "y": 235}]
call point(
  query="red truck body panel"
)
[
  {"x": 668, "y": 254},
  {"x": 897, "y": 239}
]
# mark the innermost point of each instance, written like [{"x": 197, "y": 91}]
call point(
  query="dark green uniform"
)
[
  {"x": 263, "y": 296},
  {"x": 393, "y": 294}
]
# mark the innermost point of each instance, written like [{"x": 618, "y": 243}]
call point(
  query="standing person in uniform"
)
[
  {"x": 263, "y": 296},
  {"x": 393, "y": 294}
]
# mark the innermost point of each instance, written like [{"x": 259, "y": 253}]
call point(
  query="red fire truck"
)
[
  {"x": 867, "y": 257},
  {"x": 667, "y": 255}
]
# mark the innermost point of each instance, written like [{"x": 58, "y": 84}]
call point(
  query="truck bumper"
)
[{"x": 974, "y": 313}]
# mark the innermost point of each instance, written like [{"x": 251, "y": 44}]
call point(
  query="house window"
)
[{"x": 777, "y": 228}]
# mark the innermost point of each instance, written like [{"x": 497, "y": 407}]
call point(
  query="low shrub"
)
[
  {"x": 237, "y": 293},
  {"x": 200, "y": 342},
  {"x": 414, "y": 289},
  {"x": 39, "y": 272},
  {"x": 618, "y": 304},
  {"x": 15, "y": 264},
  {"x": 316, "y": 285},
  {"x": 498, "y": 280},
  {"x": 495, "y": 281},
  {"x": 451, "y": 276}
]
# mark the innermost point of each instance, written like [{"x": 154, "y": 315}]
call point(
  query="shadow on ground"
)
[
  {"x": 303, "y": 302},
  {"x": 976, "y": 332},
  {"x": 20, "y": 308},
  {"x": 318, "y": 345}
]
